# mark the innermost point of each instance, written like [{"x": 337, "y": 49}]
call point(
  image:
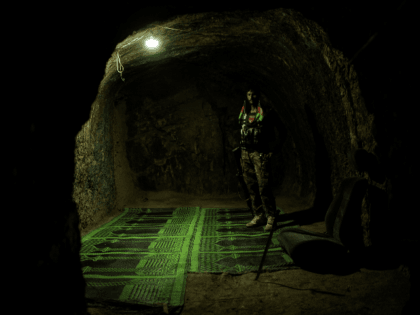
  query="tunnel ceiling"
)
[{"x": 182, "y": 100}]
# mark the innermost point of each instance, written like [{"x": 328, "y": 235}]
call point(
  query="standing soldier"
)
[{"x": 255, "y": 134}]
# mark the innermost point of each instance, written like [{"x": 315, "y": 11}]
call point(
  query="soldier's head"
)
[{"x": 253, "y": 95}]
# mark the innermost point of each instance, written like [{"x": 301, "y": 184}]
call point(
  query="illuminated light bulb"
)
[{"x": 152, "y": 43}]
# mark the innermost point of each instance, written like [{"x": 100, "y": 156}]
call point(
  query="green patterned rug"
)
[{"x": 142, "y": 257}]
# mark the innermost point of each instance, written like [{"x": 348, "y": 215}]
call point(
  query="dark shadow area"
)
[
  {"x": 304, "y": 217},
  {"x": 325, "y": 257},
  {"x": 324, "y": 195},
  {"x": 385, "y": 256},
  {"x": 341, "y": 263},
  {"x": 127, "y": 308}
]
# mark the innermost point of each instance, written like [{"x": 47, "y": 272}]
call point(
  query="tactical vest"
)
[{"x": 251, "y": 131}]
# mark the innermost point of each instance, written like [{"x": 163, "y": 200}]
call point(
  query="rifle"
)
[
  {"x": 240, "y": 176},
  {"x": 268, "y": 243}
]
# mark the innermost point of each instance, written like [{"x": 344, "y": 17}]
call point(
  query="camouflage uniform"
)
[
  {"x": 257, "y": 176},
  {"x": 256, "y": 160}
]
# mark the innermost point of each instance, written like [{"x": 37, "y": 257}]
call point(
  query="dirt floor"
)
[{"x": 289, "y": 292}]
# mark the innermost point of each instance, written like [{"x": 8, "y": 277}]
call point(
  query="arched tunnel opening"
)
[
  {"x": 163, "y": 125},
  {"x": 175, "y": 124}
]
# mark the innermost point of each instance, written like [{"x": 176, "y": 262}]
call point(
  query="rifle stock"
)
[{"x": 240, "y": 176}]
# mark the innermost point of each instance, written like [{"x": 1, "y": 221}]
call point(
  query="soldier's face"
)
[{"x": 252, "y": 98}]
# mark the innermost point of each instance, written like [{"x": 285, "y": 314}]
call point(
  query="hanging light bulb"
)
[{"x": 152, "y": 43}]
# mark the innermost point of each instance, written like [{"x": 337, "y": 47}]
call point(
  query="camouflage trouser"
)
[{"x": 256, "y": 168}]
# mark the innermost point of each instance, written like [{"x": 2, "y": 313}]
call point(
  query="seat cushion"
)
[
  {"x": 312, "y": 250},
  {"x": 343, "y": 224}
]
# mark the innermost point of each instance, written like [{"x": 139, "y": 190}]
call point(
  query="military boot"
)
[
  {"x": 270, "y": 222},
  {"x": 258, "y": 220}
]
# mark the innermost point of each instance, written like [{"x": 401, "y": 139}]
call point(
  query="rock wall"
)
[{"x": 94, "y": 179}]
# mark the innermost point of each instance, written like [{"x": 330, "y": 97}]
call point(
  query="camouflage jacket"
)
[{"x": 257, "y": 130}]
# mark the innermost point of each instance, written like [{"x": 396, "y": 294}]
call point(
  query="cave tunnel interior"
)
[{"x": 138, "y": 117}]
